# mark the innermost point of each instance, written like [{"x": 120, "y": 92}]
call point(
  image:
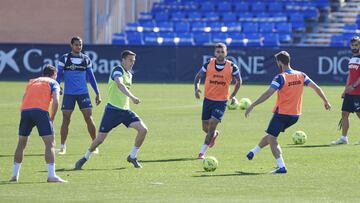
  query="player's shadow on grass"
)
[
  {"x": 12, "y": 155},
  {"x": 236, "y": 173},
  {"x": 307, "y": 146},
  {"x": 89, "y": 169},
  {"x": 21, "y": 183},
  {"x": 168, "y": 160}
]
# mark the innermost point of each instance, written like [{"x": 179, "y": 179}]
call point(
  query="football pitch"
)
[{"x": 317, "y": 171}]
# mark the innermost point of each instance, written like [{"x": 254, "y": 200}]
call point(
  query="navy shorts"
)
[
  {"x": 279, "y": 123},
  {"x": 69, "y": 100},
  {"x": 351, "y": 103},
  {"x": 113, "y": 117},
  {"x": 38, "y": 118},
  {"x": 213, "y": 109}
]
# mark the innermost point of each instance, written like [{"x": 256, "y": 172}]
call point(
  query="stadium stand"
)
[{"x": 244, "y": 23}]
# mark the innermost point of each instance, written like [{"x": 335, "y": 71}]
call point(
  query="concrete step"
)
[
  {"x": 330, "y": 30},
  {"x": 344, "y": 14},
  {"x": 318, "y": 35}
]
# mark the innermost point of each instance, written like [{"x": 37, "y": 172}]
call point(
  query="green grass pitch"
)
[{"x": 317, "y": 172}]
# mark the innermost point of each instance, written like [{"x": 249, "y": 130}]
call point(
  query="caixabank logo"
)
[
  {"x": 7, "y": 61},
  {"x": 24, "y": 61}
]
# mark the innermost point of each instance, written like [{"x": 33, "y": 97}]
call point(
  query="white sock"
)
[
  {"x": 203, "y": 149},
  {"x": 134, "y": 151},
  {"x": 280, "y": 162},
  {"x": 16, "y": 169},
  {"x": 256, "y": 149},
  {"x": 344, "y": 137},
  {"x": 63, "y": 146},
  {"x": 51, "y": 170},
  {"x": 87, "y": 154}
]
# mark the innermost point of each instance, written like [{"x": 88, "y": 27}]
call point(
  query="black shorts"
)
[
  {"x": 351, "y": 103},
  {"x": 39, "y": 118},
  {"x": 280, "y": 122}
]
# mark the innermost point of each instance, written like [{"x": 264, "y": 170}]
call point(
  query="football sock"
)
[
  {"x": 203, "y": 149},
  {"x": 16, "y": 169},
  {"x": 344, "y": 137},
  {"x": 87, "y": 154},
  {"x": 51, "y": 170},
  {"x": 280, "y": 162},
  {"x": 63, "y": 146},
  {"x": 134, "y": 152},
  {"x": 256, "y": 149}
]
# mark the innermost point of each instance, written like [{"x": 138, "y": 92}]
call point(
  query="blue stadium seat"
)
[
  {"x": 271, "y": 40},
  {"x": 246, "y": 17},
  {"x": 119, "y": 39},
  {"x": 131, "y": 27},
  {"x": 233, "y": 27},
  {"x": 134, "y": 38},
  {"x": 202, "y": 38},
  {"x": 266, "y": 27},
  {"x": 311, "y": 14},
  {"x": 194, "y": 16},
  {"x": 237, "y": 39},
  {"x": 285, "y": 38},
  {"x": 168, "y": 38},
  {"x": 254, "y": 40},
  {"x": 224, "y": 6},
  {"x": 182, "y": 26},
  {"x": 198, "y": 26},
  {"x": 242, "y": 7},
  {"x": 250, "y": 27},
  {"x": 284, "y": 28},
  {"x": 219, "y": 37},
  {"x": 178, "y": 16},
  {"x": 276, "y": 7},
  {"x": 211, "y": 16},
  {"x": 215, "y": 26},
  {"x": 161, "y": 16},
  {"x": 185, "y": 39},
  {"x": 337, "y": 41},
  {"x": 229, "y": 17},
  {"x": 151, "y": 38},
  {"x": 208, "y": 7},
  {"x": 258, "y": 7},
  {"x": 148, "y": 26},
  {"x": 166, "y": 26},
  {"x": 190, "y": 6}
]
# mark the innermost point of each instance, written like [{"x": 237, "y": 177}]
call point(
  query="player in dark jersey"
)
[
  {"x": 351, "y": 94},
  {"x": 76, "y": 68}
]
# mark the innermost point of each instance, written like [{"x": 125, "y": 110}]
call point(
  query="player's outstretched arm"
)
[
  {"x": 54, "y": 104},
  {"x": 125, "y": 90},
  {"x": 238, "y": 83},
  {"x": 266, "y": 95},
  {"x": 197, "y": 84},
  {"x": 321, "y": 94}
]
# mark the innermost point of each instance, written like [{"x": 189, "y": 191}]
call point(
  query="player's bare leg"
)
[
  {"x": 263, "y": 143},
  {"x": 18, "y": 157},
  {"x": 142, "y": 130},
  {"x": 277, "y": 153},
  {"x": 95, "y": 143},
  {"x": 64, "y": 130},
  {"x": 87, "y": 114},
  {"x": 212, "y": 124},
  {"x": 49, "y": 142},
  {"x": 344, "y": 127}
]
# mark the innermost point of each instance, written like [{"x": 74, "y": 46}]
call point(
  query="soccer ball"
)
[
  {"x": 299, "y": 137},
  {"x": 210, "y": 163},
  {"x": 244, "y": 103},
  {"x": 233, "y": 105}
]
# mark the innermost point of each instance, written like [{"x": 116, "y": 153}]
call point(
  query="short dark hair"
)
[
  {"x": 220, "y": 45},
  {"x": 355, "y": 39},
  {"x": 49, "y": 70},
  {"x": 126, "y": 53},
  {"x": 283, "y": 57},
  {"x": 76, "y": 38}
]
